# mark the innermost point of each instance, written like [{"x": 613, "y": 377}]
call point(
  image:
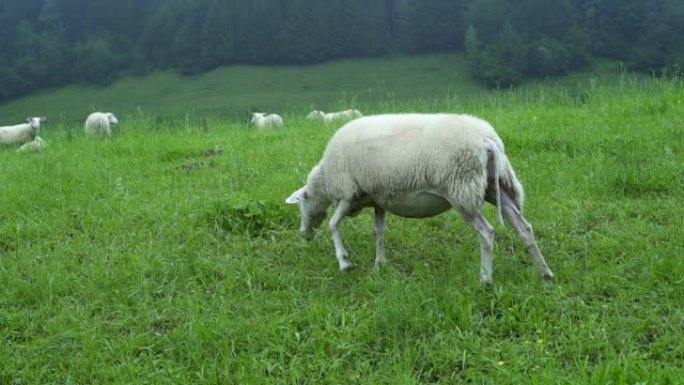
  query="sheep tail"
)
[{"x": 493, "y": 167}]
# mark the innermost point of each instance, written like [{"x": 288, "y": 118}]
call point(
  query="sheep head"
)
[
  {"x": 35, "y": 121},
  {"x": 313, "y": 208},
  {"x": 112, "y": 119}
]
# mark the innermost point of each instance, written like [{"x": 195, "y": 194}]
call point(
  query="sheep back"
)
[
  {"x": 97, "y": 123},
  {"x": 384, "y": 155},
  {"x": 19, "y": 133}
]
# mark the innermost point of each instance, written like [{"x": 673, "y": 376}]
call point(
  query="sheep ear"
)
[
  {"x": 28, "y": 119},
  {"x": 297, "y": 196}
]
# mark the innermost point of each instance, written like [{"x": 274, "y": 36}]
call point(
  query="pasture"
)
[
  {"x": 231, "y": 93},
  {"x": 166, "y": 255}
]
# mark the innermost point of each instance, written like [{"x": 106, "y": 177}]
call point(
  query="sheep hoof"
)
[
  {"x": 346, "y": 267},
  {"x": 547, "y": 275}
]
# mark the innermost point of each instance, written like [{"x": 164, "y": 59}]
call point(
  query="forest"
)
[{"x": 49, "y": 43}]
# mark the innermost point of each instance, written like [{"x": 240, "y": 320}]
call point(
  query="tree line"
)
[{"x": 46, "y": 43}]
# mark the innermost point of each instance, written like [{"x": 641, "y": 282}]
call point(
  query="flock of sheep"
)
[
  {"x": 100, "y": 123},
  {"x": 411, "y": 165},
  {"x": 265, "y": 120},
  {"x": 26, "y": 134}
]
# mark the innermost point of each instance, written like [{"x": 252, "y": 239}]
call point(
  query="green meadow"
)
[
  {"x": 231, "y": 93},
  {"x": 166, "y": 255}
]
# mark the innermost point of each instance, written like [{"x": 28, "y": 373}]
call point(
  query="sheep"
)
[
  {"x": 329, "y": 117},
  {"x": 316, "y": 115},
  {"x": 416, "y": 166},
  {"x": 37, "y": 145},
  {"x": 99, "y": 123},
  {"x": 263, "y": 120},
  {"x": 21, "y": 133}
]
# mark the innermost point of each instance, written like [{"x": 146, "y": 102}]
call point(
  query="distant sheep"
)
[
  {"x": 21, "y": 133},
  {"x": 329, "y": 117},
  {"x": 99, "y": 124},
  {"x": 37, "y": 145},
  {"x": 416, "y": 166},
  {"x": 263, "y": 120}
]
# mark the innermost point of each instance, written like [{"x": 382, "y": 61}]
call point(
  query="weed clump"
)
[{"x": 251, "y": 218}]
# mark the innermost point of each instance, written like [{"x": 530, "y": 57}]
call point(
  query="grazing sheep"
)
[
  {"x": 263, "y": 120},
  {"x": 316, "y": 115},
  {"x": 329, "y": 117},
  {"x": 99, "y": 123},
  {"x": 21, "y": 133},
  {"x": 416, "y": 166},
  {"x": 37, "y": 145}
]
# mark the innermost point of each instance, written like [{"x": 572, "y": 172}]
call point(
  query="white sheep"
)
[
  {"x": 416, "y": 166},
  {"x": 99, "y": 123},
  {"x": 37, "y": 145},
  {"x": 21, "y": 133},
  {"x": 329, "y": 117},
  {"x": 263, "y": 120}
]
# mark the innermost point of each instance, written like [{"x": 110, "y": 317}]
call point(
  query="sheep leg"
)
[
  {"x": 379, "y": 227},
  {"x": 342, "y": 210},
  {"x": 486, "y": 231},
  {"x": 524, "y": 229}
]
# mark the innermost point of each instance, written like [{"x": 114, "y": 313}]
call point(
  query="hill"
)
[{"x": 232, "y": 92}]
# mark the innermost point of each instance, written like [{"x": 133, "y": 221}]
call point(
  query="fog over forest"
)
[{"x": 47, "y": 43}]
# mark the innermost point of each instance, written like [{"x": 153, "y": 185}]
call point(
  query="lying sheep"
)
[
  {"x": 99, "y": 124},
  {"x": 263, "y": 120},
  {"x": 416, "y": 166},
  {"x": 329, "y": 117},
  {"x": 37, "y": 145},
  {"x": 21, "y": 133}
]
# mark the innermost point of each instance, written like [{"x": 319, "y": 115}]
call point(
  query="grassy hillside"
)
[
  {"x": 233, "y": 92},
  {"x": 167, "y": 256}
]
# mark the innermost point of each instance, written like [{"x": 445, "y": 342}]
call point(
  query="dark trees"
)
[{"x": 45, "y": 43}]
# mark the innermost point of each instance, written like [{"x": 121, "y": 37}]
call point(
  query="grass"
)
[
  {"x": 233, "y": 92},
  {"x": 167, "y": 256}
]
